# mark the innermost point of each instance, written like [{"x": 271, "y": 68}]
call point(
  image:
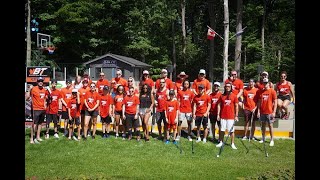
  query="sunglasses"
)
[
  {"x": 162, "y": 82},
  {"x": 233, "y": 74},
  {"x": 228, "y": 86},
  {"x": 129, "y": 81},
  {"x": 92, "y": 86}
]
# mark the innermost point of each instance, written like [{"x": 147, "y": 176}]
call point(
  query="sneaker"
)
[
  {"x": 69, "y": 138},
  {"x": 107, "y": 135},
  {"x": 198, "y": 139},
  {"x": 271, "y": 143},
  {"x": 56, "y": 135},
  {"x": 233, "y": 146},
  {"x": 175, "y": 142},
  {"x": 36, "y": 141},
  {"x": 104, "y": 136},
  {"x": 204, "y": 140},
  {"x": 244, "y": 138},
  {"x": 117, "y": 135},
  {"x": 177, "y": 138},
  {"x": 189, "y": 138},
  {"x": 89, "y": 134},
  {"x": 286, "y": 117},
  {"x": 93, "y": 137},
  {"x": 261, "y": 141},
  {"x": 253, "y": 139},
  {"x": 31, "y": 142},
  {"x": 46, "y": 136},
  {"x": 220, "y": 144},
  {"x": 167, "y": 142},
  {"x": 74, "y": 138},
  {"x": 40, "y": 139}
]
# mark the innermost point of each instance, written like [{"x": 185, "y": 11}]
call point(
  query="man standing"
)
[
  {"x": 162, "y": 94},
  {"x": 101, "y": 83},
  {"x": 168, "y": 82},
  {"x": 66, "y": 95},
  {"x": 215, "y": 96},
  {"x": 201, "y": 80}
]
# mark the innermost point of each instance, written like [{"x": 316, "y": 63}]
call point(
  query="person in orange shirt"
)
[
  {"x": 130, "y": 110},
  {"x": 285, "y": 92},
  {"x": 146, "y": 80},
  {"x": 185, "y": 97},
  {"x": 65, "y": 98},
  {"x": 105, "y": 107},
  {"x": 132, "y": 83},
  {"x": 54, "y": 96},
  {"x": 249, "y": 109},
  {"x": 146, "y": 98},
  {"x": 82, "y": 91},
  {"x": 171, "y": 114},
  {"x": 215, "y": 96},
  {"x": 117, "y": 111},
  {"x": 162, "y": 94},
  {"x": 201, "y": 106},
  {"x": 38, "y": 98},
  {"x": 118, "y": 80},
  {"x": 201, "y": 80},
  {"x": 228, "y": 109},
  {"x": 74, "y": 114},
  {"x": 91, "y": 101},
  {"x": 267, "y": 107},
  {"x": 101, "y": 83},
  {"x": 259, "y": 84},
  {"x": 164, "y": 75},
  {"x": 237, "y": 86},
  {"x": 181, "y": 77}
]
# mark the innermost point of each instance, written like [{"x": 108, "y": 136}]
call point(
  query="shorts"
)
[
  {"x": 161, "y": 118},
  {"x": 171, "y": 126},
  {"x": 203, "y": 119},
  {"x": 142, "y": 111},
  {"x": 131, "y": 121},
  {"x": 74, "y": 121},
  {"x": 213, "y": 120},
  {"x": 118, "y": 113},
  {"x": 38, "y": 116},
  {"x": 248, "y": 115},
  {"x": 227, "y": 124},
  {"x": 51, "y": 118},
  {"x": 185, "y": 116},
  {"x": 82, "y": 112},
  {"x": 284, "y": 97},
  {"x": 267, "y": 118},
  {"x": 91, "y": 113},
  {"x": 64, "y": 115},
  {"x": 106, "y": 119}
]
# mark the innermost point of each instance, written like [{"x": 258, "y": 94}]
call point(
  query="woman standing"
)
[{"x": 146, "y": 104}]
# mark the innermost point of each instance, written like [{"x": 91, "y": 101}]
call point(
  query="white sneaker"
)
[
  {"x": 261, "y": 141},
  {"x": 36, "y": 141},
  {"x": 74, "y": 138},
  {"x": 271, "y": 143},
  {"x": 40, "y": 139},
  {"x": 117, "y": 135},
  {"x": 198, "y": 139},
  {"x": 46, "y": 136},
  {"x": 244, "y": 138},
  {"x": 220, "y": 144},
  {"x": 177, "y": 138},
  {"x": 56, "y": 135},
  {"x": 189, "y": 138},
  {"x": 204, "y": 140},
  {"x": 233, "y": 146}
]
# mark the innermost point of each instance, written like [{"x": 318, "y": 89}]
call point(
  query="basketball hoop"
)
[{"x": 51, "y": 49}]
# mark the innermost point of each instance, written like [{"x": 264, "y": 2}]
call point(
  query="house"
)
[{"x": 109, "y": 63}]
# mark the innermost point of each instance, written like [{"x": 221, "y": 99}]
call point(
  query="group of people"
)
[{"x": 122, "y": 101}]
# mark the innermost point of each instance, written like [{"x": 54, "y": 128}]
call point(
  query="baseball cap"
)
[
  {"x": 265, "y": 80},
  {"x": 74, "y": 90},
  {"x": 201, "y": 86},
  {"x": 202, "y": 71},
  {"x": 69, "y": 80},
  {"x": 40, "y": 79},
  {"x": 105, "y": 87},
  {"x": 164, "y": 71},
  {"x": 145, "y": 72},
  {"x": 251, "y": 80},
  {"x": 216, "y": 83},
  {"x": 54, "y": 81},
  {"x": 265, "y": 72},
  {"x": 171, "y": 92}
]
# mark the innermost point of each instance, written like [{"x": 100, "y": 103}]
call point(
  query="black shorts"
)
[
  {"x": 106, "y": 119},
  {"x": 248, "y": 115},
  {"x": 38, "y": 116},
  {"x": 91, "y": 113},
  {"x": 131, "y": 121},
  {"x": 284, "y": 97},
  {"x": 118, "y": 113},
  {"x": 199, "y": 119},
  {"x": 213, "y": 119},
  {"x": 64, "y": 115},
  {"x": 161, "y": 118},
  {"x": 74, "y": 121},
  {"x": 82, "y": 112},
  {"x": 51, "y": 118}
]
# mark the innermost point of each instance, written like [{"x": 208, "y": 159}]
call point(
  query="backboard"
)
[{"x": 43, "y": 40}]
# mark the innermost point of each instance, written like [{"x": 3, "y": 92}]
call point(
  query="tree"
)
[
  {"x": 226, "y": 39},
  {"x": 237, "y": 53}
]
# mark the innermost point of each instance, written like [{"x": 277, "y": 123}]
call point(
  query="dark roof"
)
[{"x": 127, "y": 60}]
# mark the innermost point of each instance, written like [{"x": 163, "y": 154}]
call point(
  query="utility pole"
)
[{"x": 28, "y": 60}]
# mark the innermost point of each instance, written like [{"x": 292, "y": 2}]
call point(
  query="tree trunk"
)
[
  {"x": 174, "y": 60},
  {"x": 212, "y": 19},
  {"x": 237, "y": 53},
  {"x": 245, "y": 61},
  {"x": 28, "y": 60},
  {"x": 279, "y": 61},
  {"x": 184, "y": 34},
  {"x": 226, "y": 40},
  {"x": 262, "y": 28}
]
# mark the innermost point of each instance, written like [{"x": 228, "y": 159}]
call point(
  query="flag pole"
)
[
  {"x": 215, "y": 32},
  {"x": 237, "y": 32}
]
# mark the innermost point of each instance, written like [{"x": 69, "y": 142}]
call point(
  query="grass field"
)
[{"x": 122, "y": 159}]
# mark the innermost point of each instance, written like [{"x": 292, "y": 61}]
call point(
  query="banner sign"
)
[{"x": 34, "y": 72}]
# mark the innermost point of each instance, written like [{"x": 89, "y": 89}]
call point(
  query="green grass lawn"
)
[{"x": 122, "y": 159}]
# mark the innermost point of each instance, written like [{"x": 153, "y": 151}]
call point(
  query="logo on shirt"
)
[
  {"x": 170, "y": 109},
  {"x": 283, "y": 89},
  {"x": 119, "y": 99},
  {"x": 129, "y": 103},
  {"x": 54, "y": 98},
  {"x": 42, "y": 95},
  {"x": 227, "y": 102},
  {"x": 90, "y": 100},
  {"x": 214, "y": 100},
  {"x": 265, "y": 97},
  {"x": 185, "y": 97},
  {"x": 68, "y": 96},
  {"x": 200, "y": 103},
  {"x": 250, "y": 96},
  {"x": 103, "y": 103},
  {"x": 73, "y": 106}
]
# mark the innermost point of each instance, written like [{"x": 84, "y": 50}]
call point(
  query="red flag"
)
[{"x": 211, "y": 34}]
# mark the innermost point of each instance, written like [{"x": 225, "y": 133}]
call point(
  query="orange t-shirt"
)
[
  {"x": 83, "y": 92},
  {"x": 204, "y": 82},
  {"x": 237, "y": 84},
  {"x": 283, "y": 88},
  {"x": 161, "y": 97},
  {"x": 119, "y": 81},
  {"x": 118, "y": 101},
  {"x": 38, "y": 97},
  {"x": 259, "y": 85},
  {"x": 92, "y": 98},
  {"x": 105, "y": 102},
  {"x": 147, "y": 81},
  {"x": 266, "y": 98},
  {"x": 74, "y": 107},
  {"x": 185, "y": 98},
  {"x": 202, "y": 102},
  {"x": 227, "y": 109},
  {"x": 214, "y": 96},
  {"x": 130, "y": 104},
  {"x": 249, "y": 98},
  {"x": 169, "y": 83},
  {"x": 53, "y": 107},
  {"x": 179, "y": 85},
  {"x": 66, "y": 95},
  {"x": 171, "y": 108},
  {"x": 100, "y": 84}
]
